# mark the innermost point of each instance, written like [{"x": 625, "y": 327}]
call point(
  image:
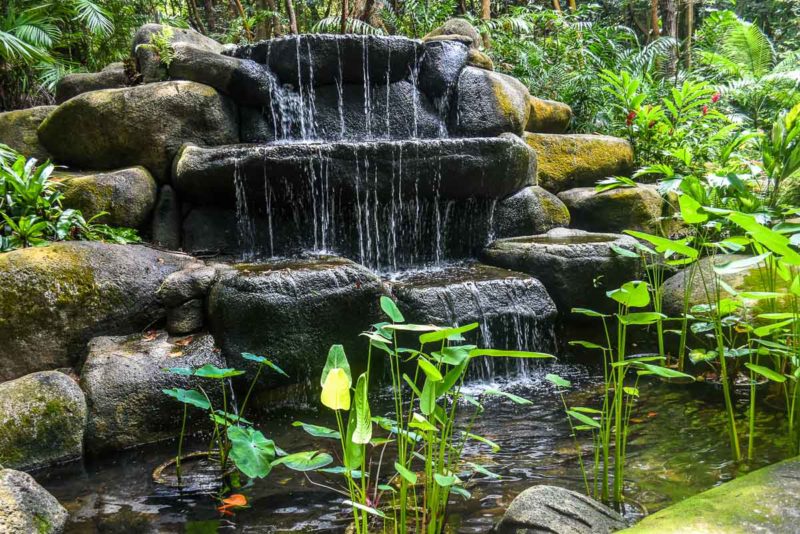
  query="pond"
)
[{"x": 677, "y": 448}]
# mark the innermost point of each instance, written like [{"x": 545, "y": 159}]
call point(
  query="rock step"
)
[
  {"x": 567, "y": 161},
  {"x": 548, "y": 116}
]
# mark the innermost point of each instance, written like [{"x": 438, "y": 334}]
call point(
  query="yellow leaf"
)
[{"x": 336, "y": 390}]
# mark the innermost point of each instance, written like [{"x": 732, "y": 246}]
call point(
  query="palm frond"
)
[
  {"x": 95, "y": 17},
  {"x": 747, "y": 45},
  {"x": 333, "y": 25}
]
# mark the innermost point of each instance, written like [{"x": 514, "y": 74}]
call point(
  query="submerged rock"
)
[
  {"x": 140, "y": 125},
  {"x": 293, "y": 311},
  {"x": 72, "y": 85},
  {"x": 576, "y": 267},
  {"x": 557, "y": 510},
  {"x": 177, "y": 35},
  {"x": 762, "y": 501},
  {"x": 578, "y": 160},
  {"x": 26, "y": 507},
  {"x": 548, "y": 116},
  {"x": 18, "y": 130},
  {"x": 123, "y": 378},
  {"x": 54, "y": 299},
  {"x": 531, "y": 211},
  {"x": 42, "y": 421},
  {"x": 488, "y": 104},
  {"x": 127, "y": 195},
  {"x": 638, "y": 208}
]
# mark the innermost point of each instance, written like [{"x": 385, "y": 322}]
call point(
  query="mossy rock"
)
[
  {"x": 489, "y": 104},
  {"x": 177, "y": 35},
  {"x": 531, "y": 211},
  {"x": 127, "y": 195},
  {"x": 141, "y": 125},
  {"x": 638, "y": 208},
  {"x": 762, "y": 501},
  {"x": 479, "y": 60},
  {"x": 548, "y": 116},
  {"x": 456, "y": 27},
  {"x": 18, "y": 130},
  {"x": 42, "y": 420},
  {"x": 78, "y": 83},
  {"x": 26, "y": 507},
  {"x": 577, "y": 160},
  {"x": 54, "y": 299}
]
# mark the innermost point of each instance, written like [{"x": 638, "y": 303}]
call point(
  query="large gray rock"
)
[
  {"x": 26, "y": 507},
  {"x": 18, "y": 130},
  {"x": 54, "y": 299},
  {"x": 531, "y": 211},
  {"x": 554, "y": 510},
  {"x": 576, "y": 267},
  {"x": 762, "y": 501},
  {"x": 639, "y": 208},
  {"x": 127, "y": 195},
  {"x": 578, "y": 160},
  {"x": 42, "y": 420},
  {"x": 123, "y": 378},
  {"x": 247, "y": 82},
  {"x": 548, "y": 116},
  {"x": 456, "y": 27},
  {"x": 464, "y": 168},
  {"x": 178, "y": 35},
  {"x": 293, "y": 311},
  {"x": 324, "y": 59},
  {"x": 440, "y": 69},
  {"x": 166, "y": 231},
  {"x": 488, "y": 104},
  {"x": 140, "y": 125},
  {"x": 72, "y": 85}
]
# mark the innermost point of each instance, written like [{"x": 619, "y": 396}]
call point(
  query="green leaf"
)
[
  {"x": 264, "y": 361},
  {"x": 407, "y": 475},
  {"x": 458, "y": 490},
  {"x": 445, "y": 333},
  {"x": 363, "y": 431},
  {"x": 421, "y": 423},
  {"x": 666, "y": 246},
  {"x": 768, "y": 329},
  {"x": 305, "y": 461},
  {"x": 486, "y": 441},
  {"x": 212, "y": 371},
  {"x": 183, "y": 371},
  {"x": 445, "y": 481},
  {"x": 664, "y": 372},
  {"x": 251, "y": 452},
  {"x": 195, "y": 398},
  {"x": 641, "y": 318},
  {"x": 737, "y": 266},
  {"x": 318, "y": 431},
  {"x": 337, "y": 359},
  {"x": 690, "y": 210},
  {"x": 631, "y": 294},
  {"x": 515, "y": 398},
  {"x": 342, "y": 470},
  {"x": 364, "y": 508},
  {"x": 391, "y": 310},
  {"x": 453, "y": 355},
  {"x": 482, "y": 470},
  {"x": 772, "y": 240},
  {"x": 624, "y": 252},
  {"x": 496, "y": 353},
  {"x": 354, "y": 452},
  {"x": 587, "y": 312},
  {"x": 586, "y": 344},
  {"x": 429, "y": 369},
  {"x": 558, "y": 381},
  {"x": 412, "y": 327},
  {"x": 451, "y": 378},
  {"x": 586, "y": 420},
  {"x": 766, "y": 372},
  {"x": 427, "y": 398}
]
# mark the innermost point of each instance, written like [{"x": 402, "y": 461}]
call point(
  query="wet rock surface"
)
[
  {"x": 123, "y": 378},
  {"x": 441, "y": 66},
  {"x": 576, "y": 267},
  {"x": 531, "y": 211},
  {"x": 26, "y": 507},
  {"x": 18, "y": 130},
  {"x": 54, "y": 299},
  {"x": 554, "y": 510},
  {"x": 42, "y": 420},
  {"x": 489, "y": 104}
]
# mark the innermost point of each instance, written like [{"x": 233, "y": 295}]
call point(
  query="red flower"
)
[
  {"x": 715, "y": 98},
  {"x": 705, "y": 110},
  {"x": 629, "y": 119}
]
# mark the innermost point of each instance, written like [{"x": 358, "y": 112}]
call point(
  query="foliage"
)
[
  {"x": 162, "y": 42},
  {"x": 30, "y": 207}
]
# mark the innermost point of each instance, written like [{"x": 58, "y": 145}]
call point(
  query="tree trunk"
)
[
  {"x": 343, "y": 29},
  {"x": 655, "y": 31},
  {"x": 292, "y": 17},
  {"x": 462, "y": 7},
  {"x": 211, "y": 19},
  {"x": 195, "y": 17},
  {"x": 573, "y": 6},
  {"x": 670, "y": 17},
  {"x": 557, "y": 5},
  {"x": 689, "y": 33},
  {"x": 486, "y": 14}
]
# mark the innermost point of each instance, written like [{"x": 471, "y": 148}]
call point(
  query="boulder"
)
[
  {"x": 192, "y": 282},
  {"x": 78, "y": 83},
  {"x": 558, "y": 511},
  {"x": 531, "y": 211},
  {"x": 26, "y": 507},
  {"x": 441, "y": 66},
  {"x": 186, "y": 318},
  {"x": 579, "y": 160},
  {"x": 489, "y": 103},
  {"x": 54, "y": 299},
  {"x": 177, "y": 35},
  {"x": 549, "y": 116},
  {"x": 638, "y": 208},
  {"x": 149, "y": 64},
  {"x": 166, "y": 229},
  {"x": 123, "y": 378},
  {"x": 293, "y": 311},
  {"x": 247, "y": 82},
  {"x": 325, "y": 59},
  {"x": 210, "y": 231},
  {"x": 140, "y": 125},
  {"x": 18, "y": 130},
  {"x": 127, "y": 195},
  {"x": 42, "y": 420},
  {"x": 479, "y": 60},
  {"x": 576, "y": 267},
  {"x": 762, "y": 501},
  {"x": 456, "y": 27}
]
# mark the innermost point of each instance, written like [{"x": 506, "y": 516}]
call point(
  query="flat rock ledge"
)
[{"x": 554, "y": 510}]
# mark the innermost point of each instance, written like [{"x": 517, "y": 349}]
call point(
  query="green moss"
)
[{"x": 43, "y": 525}]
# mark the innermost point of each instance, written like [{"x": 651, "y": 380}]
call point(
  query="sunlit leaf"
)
[{"x": 391, "y": 310}]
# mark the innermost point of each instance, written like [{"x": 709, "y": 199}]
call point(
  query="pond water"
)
[{"x": 678, "y": 447}]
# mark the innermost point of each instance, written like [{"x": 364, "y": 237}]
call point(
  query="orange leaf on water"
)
[{"x": 235, "y": 500}]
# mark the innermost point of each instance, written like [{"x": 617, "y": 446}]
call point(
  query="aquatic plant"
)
[{"x": 410, "y": 491}]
